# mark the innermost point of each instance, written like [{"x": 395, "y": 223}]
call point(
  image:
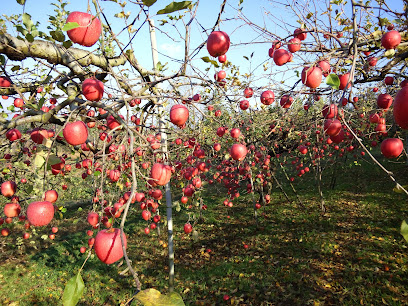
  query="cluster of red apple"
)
[{"x": 38, "y": 213}]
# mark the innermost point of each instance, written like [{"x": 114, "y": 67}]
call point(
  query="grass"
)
[{"x": 352, "y": 254}]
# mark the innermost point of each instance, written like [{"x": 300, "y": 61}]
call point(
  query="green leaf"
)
[
  {"x": 73, "y": 290},
  {"x": 208, "y": 60},
  {"x": 97, "y": 173},
  {"x": 2, "y": 60},
  {"x": 39, "y": 161},
  {"x": 148, "y": 2},
  {"x": 29, "y": 37},
  {"x": 404, "y": 230},
  {"x": 152, "y": 297},
  {"x": 53, "y": 160},
  {"x": 174, "y": 7},
  {"x": 15, "y": 68},
  {"x": 57, "y": 35},
  {"x": 333, "y": 81},
  {"x": 67, "y": 44},
  {"x": 22, "y": 2},
  {"x": 28, "y": 23},
  {"x": 70, "y": 25},
  {"x": 389, "y": 53}
]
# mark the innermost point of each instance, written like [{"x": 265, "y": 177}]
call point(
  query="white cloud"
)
[{"x": 171, "y": 50}]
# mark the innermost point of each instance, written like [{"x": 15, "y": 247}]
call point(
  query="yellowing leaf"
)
[{"x": 152, "y": 297}]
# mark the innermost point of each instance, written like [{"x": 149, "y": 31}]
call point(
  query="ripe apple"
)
[
  {"x": 248, "y": 92},
  {"x": 384, "y": 101},
  {"x": 324, "y": 66},
  {"x": 160, "y": 174},
  {"x": 312, "y": 76},
  {"x": 12, "y": 210},
  {"x": 4, "y": 81},
  {"x": 244, "y": 104},
  {"x": 108, "y": 245},
  {"x": 5, "y": 232},
  {"x": 294, "y": 45},
  {"x": 332, "y": 127},
  {"x": 300, "y": 34},
  {"x": 218, "y": 43},
  {"x": 401, "y": 108},
  {"x": 267, "y": 97},
  {"x": 51, "y": 196},
  {"x": 392, "y": 147},
  {"x": 89, "y": 30},
  {"x": 93, "y": 218},
  {"x": 222, "y": 58},
  {"x": 281, "y": 57},
  {"x": 235, "y": 133},
  {"x": 39, "y": 135},
  {"x": 286, "y": 101},
  {"x": 389, "y": 80},
  {"x": 92, "y": 89},
  {"x": 329, "y": 111},
  {"x": 18, "y": 102},
  {"x": 179, "y": 114},
  {"x": 13, "y": 134},
  {"x": 40, "y": 213},
  {"x": 344, "y": 78},
  {"x": 8, "y": 188},
  {"x": 372, "y": 61},
  {"x": 75, "y": 133},
  {"x": 391, "y": 39},
  {"x": 188, "y": 228},
  {"x": 238, "y": 151}
]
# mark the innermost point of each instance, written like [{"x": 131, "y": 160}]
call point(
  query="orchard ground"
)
[{"x": 352, "y": 254}]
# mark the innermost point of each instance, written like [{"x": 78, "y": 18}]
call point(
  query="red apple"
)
[
  {"x": 286, "y": 101},
  {"x": 108, "y": 245},
  {"x": 392, "y": 147},
  {"x": 188, "y": 228},
  {"x": 179, "y": 114},
  {"x": 218, "y": 43},
  {"x": 92, "y": 89},
  {"x": 8, "y": 188},
  {"x": 389, "y": 80},
  {"x": 160, "y": 174},
  {"x": 344, "y": 78},
  {"x": 332, "y": 127},
  {"x": 238, "y": 151},
  {"x": 51, "y": 196},
  {"x": 244, "y": 104},
  {"x": 391, "y": 39},
  {"x": 248, "y": 92},
  {"x": 75, "y": 133},
  {"x": 281, "y": 57},
  {"x": 4, "y": 81},
  {"x": 294, "y": 45},
  {"x": 12, "y": 210},
  {"x": 312, "y": 76},
  {"x": 401, "y": 108},
  {"x": 93, "y": 218},
  {"x": 300, "y": 34},
  {"x": 13, "y": 134},
  {"x": 384, "y": 101},
  {"x": 329, "y": 111},
  {"x": 40, "y": 213},
  {"x": 39, "y": 135},
  {"x": 89, "y": 30},
  {"x": 267, "y": 97}
]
